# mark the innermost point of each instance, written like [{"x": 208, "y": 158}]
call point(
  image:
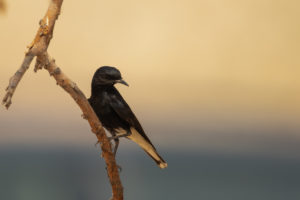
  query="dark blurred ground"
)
[{"x": 65, "y": 174}]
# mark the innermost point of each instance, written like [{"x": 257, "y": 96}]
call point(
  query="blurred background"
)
[{"x": 215, "y": 85}]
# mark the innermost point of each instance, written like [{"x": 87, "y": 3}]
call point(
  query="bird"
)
[{"x": 115, "y": 114}]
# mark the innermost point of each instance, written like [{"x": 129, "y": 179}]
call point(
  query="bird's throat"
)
[{"x": 100, "y": 89}]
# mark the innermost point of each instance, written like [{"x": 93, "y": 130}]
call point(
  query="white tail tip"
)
[{"x": 163, "y": 165}]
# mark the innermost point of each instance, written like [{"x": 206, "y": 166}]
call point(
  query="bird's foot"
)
[{"x": 119, "y": 136}]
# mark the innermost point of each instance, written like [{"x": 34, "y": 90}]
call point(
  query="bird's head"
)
[{"x": 107, "y": 75}]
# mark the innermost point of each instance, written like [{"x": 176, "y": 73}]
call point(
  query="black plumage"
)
[{"x": 115, "y": 114}]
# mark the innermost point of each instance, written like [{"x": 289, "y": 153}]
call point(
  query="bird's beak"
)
[{"x": 122, "y": 82}]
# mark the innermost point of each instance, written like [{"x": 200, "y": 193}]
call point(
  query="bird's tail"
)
[{"x": 148, "y": 148}]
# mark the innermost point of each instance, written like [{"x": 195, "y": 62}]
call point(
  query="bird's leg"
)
[
  {"x": 116, "y": 146},
  {"x": 115, "y": 152},
  {"x": 116, "y": 137},
  {"x": 119, "y": 136}
]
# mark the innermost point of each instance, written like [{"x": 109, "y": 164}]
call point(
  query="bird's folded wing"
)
[{"x": 123, "y": 110}]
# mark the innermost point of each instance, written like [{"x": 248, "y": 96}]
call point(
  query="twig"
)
[
  {"x": 39, "y": 48},
  {"x": 15, "y": 79}
]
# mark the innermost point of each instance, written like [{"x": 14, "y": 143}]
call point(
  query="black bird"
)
[{"x": 115, "y": 114}]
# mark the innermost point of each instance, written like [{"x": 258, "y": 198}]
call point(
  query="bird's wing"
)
[{"x": 119, "y": 105}]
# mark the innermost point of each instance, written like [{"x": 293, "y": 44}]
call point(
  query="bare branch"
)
[
  {"x": 39, "y": 48},
  {"x": 14, "y": 80},
  {"x": 39, "y": 45}
]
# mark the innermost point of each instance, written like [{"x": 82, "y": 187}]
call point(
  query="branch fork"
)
[{"x": 38, "y": 48}]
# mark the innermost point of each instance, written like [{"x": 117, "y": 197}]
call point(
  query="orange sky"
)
[{"x": 197, "y": 60}]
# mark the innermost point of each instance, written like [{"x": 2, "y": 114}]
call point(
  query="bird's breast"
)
[{"x": 106, "y": 114}]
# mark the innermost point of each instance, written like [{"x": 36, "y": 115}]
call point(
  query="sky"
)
[{"x": 218, "y": 75}]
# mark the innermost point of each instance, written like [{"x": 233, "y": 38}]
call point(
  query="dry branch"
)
[
  {"x": 15, "y": 79},
  {"x": 2, "y": 6},
  {"x": 39, "y": 48},
  {"x": 69, "y": 86}
]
